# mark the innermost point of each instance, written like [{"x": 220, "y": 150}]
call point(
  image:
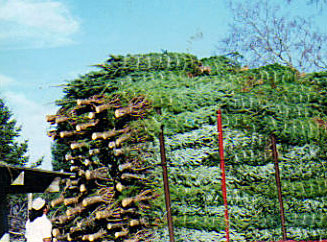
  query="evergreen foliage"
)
[
  {"x": 117, "y": 66},
  {"x": 255, "y": 103},
  {"x": 12, "y": 152}
]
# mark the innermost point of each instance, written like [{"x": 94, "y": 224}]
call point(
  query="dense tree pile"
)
[{"x": 183, "y": 93}]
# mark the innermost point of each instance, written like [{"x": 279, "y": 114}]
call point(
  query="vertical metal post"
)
[
  {"x": 223, "y": 175},
  {"x": 277, "y": 176},
  {"x": 166, "y": 185}
]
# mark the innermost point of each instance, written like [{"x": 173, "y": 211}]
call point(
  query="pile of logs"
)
[{"x": 109, "y": 194}]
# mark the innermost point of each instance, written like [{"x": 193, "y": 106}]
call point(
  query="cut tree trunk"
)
[
  {"x": 118, "y": 142},
  {"x": 100, "y": 173},
  {"x": 62, "y": 219},
  {"x": 126, "y": 166},
  {"x": 94, "y": 152},
  {"x": 57, "y": 201},
  {"x": 128, "y": 176},
  {"x": 82, "y": 188},
  {"x": 74, "y": 211},
  {"x": 136, "y": 107},
  {"x": 86, "y": 223},
  {"x": 141, "y": 197},
  {"x": 108, "y": 134},
  {"x": 70, "y": 201},
  {"x": 66, "y": 134},
  {"x": 70, "y": 157},
  {"x": 120, "y": 187},
  {"x": 53, "y": 134},
  {"x": 51, "y": 118},
  {"x": 120, "y": 234},
  {"x": 97, "y": 235},
  {"x": 92, "y": 200},
  {"x": 61, "y": 119},
  {"x": 112, "y": 226},
  {"x": 97, "y": 99},
  {"x": 60, "y": 238},
  {"x": 91, "y": 115},
  {"x": 78, "y": 145},
  {"x": 84, "y": 126},
  {"x": 103, "y": 107},
  {"x": 134, "y": 222},
  {"x": 56, "y": 232}
]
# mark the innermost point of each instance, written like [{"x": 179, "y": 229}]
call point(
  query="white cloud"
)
[
  {"x": 5, "y": 81},
  {"x": 31, "y": 116},
  {"x": 35, "y": 24}
]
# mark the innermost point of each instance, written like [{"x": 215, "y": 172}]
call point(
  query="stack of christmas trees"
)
[{"x": 115, "y": 158}]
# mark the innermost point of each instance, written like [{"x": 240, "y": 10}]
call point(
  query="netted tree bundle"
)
[
  {"x": 123, "y": 65},
  {"x": 110, "y": 191},
  {"x": 221, "y": 65}
]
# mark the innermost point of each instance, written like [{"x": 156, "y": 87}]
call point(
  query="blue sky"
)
[{"x": 43, "y": 43}]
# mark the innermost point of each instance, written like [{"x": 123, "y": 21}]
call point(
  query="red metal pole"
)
[
  {"x": 166, "y": 184},
  {"x": 279, "y": 187},
  {"x": 223, "y": 175}
]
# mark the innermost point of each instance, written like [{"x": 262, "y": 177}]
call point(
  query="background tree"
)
[
  {"x": 264, "y": 33},
  {"x": 11, "y": 151}
]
